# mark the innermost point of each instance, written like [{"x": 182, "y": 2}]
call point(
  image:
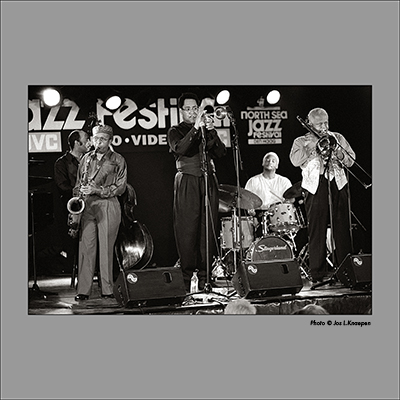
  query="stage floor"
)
[{"x": 54, "y": 295}]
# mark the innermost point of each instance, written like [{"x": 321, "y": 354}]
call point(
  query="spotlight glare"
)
[
  {"x": 273, "y": 97},
  {"x": 51, "y": 97},
  {"x": 113, "y": 102},
  {"x": 223, "y": 97}
]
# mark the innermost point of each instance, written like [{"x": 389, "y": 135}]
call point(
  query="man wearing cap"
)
[
  {"x": 269, "y": 186},
  {"x": 102, "y": 176}
]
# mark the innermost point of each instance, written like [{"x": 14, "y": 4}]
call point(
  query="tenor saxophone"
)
[{"x": 76, "y": 204}]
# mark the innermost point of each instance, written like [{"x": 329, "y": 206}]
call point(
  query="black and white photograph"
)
[
  {"x": 200, "y": 200},
  {"x": 209, "y": 194}
]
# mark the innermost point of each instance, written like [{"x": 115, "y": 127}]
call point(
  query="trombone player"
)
[
  {"x": 102, "y": 176},
  {"x": 310, "y": 154}
]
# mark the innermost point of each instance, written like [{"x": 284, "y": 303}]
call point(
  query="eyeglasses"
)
[{"x": 188, "y": 109}]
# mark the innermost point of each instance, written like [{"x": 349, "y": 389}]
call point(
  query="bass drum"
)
[{"x": 269, "y": 248}]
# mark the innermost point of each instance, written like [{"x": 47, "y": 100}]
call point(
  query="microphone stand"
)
[
  {"x": 35, "y": 290},
  {"x": 332, "y": 238},
  {"x": 350, "y": 212},
  {"x": 238, "y": 168},
  {"x": 204, "y": 166}
]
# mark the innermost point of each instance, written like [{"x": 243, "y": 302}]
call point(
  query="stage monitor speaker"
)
[
  {"x": 266, "y": 279},
  {"x": 150, "y": 287},
  {"x": 355, "y": 272}
]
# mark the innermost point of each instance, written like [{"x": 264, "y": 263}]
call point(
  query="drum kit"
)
[{"x": 279, "y": 225}]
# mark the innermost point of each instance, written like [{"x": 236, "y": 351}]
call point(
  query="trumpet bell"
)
[
  {"x": 75, "y": 205},
  {"x": 220, "y": 112}
]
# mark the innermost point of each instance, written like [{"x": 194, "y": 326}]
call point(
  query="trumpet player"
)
[
  {"x": 102, "y": 176},
  {"x": 189, "y": 215},
  {"x": 322, "y": 158}
]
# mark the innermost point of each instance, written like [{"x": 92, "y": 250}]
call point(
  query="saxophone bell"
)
[{"x": 76, "y": 205}]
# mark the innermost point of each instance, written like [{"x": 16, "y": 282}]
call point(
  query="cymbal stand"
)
[
  {"x": 301, "y": 258},
  {"x": 291, "y": 237},
  {"x": 35, "y": 290}
]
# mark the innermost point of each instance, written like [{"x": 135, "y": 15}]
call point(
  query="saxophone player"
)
[
  {"x": 102, "y": 176},
  {"x": 316, "y": 170}
]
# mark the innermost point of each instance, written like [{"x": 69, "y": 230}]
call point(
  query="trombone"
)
[{"x": 325, "y": 145}]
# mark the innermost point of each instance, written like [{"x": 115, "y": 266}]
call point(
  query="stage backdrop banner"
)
[{"x": 144, "y": 128}]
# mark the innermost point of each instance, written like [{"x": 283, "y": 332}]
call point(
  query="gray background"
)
[{"x": 204, "y": 356}]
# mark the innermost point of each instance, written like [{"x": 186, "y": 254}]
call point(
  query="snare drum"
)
[
  {"x": 269, "y": 248},
  {"x": 283, "y": 218},
  {"x": 227, "y": 232}
]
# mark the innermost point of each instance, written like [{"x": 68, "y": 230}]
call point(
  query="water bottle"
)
[{"x": 194, "y": 282}]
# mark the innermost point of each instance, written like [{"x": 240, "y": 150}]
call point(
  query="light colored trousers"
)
[{"x": 99, "y": 227}]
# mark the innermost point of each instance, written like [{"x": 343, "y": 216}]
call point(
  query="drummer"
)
[{"x": 269, "y": 186}]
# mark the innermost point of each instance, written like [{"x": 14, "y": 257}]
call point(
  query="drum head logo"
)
[
  {"x": 132, "y": 278},
  {"x": 252, "y": 269}
]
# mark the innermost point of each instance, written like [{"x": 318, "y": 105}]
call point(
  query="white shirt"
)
[{"x": 270, "y": 191}]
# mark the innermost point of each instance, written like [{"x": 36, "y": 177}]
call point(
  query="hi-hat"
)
[
  {"x": 294, "y": 191},
  {"x": 230, "y": 197}
]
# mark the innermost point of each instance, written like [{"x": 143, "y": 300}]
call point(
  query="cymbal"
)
[
  {"x": 229, "y": 195},
  {"x": 223, "y": 207},
  {"x": 294, "y": 191}
]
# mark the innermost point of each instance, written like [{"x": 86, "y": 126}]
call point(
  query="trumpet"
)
[{"x": 221, "y": 112}]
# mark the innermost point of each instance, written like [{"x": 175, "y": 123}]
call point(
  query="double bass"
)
[{"x": 134, "y": 245}]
